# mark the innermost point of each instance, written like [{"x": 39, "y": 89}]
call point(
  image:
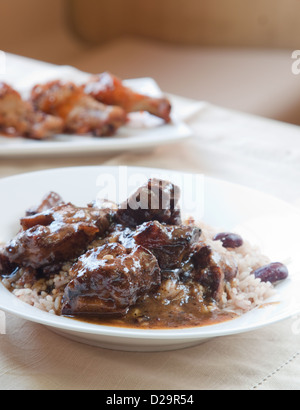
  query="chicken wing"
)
[
  {"x": 110, "y": 90},
  {"x": 80, "y": 113},
  {"x": 18, "y": 117}
]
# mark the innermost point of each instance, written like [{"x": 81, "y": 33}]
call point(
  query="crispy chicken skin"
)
[
  {"x": 110, "y": 279},
  {"x": 81, "y": 114},
  {"x": 18, "y": 117},
  {"x": 110, "y": 90}
]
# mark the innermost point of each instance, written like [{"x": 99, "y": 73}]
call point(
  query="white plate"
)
[
  {"x": 269, "y": 222},
  {"x": 141, "y": 133}
]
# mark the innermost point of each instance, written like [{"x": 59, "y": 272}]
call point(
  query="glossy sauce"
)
[{"x": 150, "y": 314}]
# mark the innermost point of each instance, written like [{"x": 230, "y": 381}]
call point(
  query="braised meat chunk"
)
[
  {"x": 155, "y": 201},
  {"x": 181, "y": 254},
  {"x": 81, "y": 114},
  {"x": 19, "y": 118},
  {"x": 59, "y": 234},
  {"x": 110, "y": 90},
  {"x": 172, "y": 245},
  {"x": 6, "y": 267},
  {"x": 51, "y": 200},
  {"x": 110, "y": 279},
  {"x": 212, "y": 270}
]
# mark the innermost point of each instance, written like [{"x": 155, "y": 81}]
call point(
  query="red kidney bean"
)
[
  {"x": 229, "y": 240},
  {"x": 273, "y": 273}
]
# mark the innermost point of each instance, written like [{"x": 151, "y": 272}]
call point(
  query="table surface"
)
[{"x": 233, "y": 146}]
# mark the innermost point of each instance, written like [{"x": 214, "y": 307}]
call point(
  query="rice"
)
[
  {"x": 40, "y": 300},
  {"x": 243, "y": 294},
  {"x": 45, "y": 294}
]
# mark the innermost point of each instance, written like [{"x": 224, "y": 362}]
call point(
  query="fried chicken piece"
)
[
  {"x": 110, "y": 279},
  {"x": 110, "y": 90},
  {"x": 57, "y": 235},
  {"x": 155, "y": 201},
  {"x": 80, "y": 113},
  {"x": 18, "y": 117}
]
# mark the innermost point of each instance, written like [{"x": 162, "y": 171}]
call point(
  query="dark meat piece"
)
[
  {"x": 181, "y": 255},
  {"x": 6, "y": 267},
  {"x": 80, "y": 113},
  {"x": 110, "y": 90},
  {"x": 172, "y": 245},
  {"x": 49, "y": 201},
  {"x": 59, "y": 234},
  {"x": 212, "y": 270},
  {"x": 110, "y": 279},
  {"x": 18, "y": 117},
  {"x": 155, "y": 201},
  {"x": 179, "y": 248}
]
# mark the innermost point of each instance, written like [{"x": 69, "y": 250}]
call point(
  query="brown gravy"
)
[{"x": 149, "y": 314}]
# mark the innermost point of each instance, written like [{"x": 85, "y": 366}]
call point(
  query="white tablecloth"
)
[{"x": 228, "y": 145}]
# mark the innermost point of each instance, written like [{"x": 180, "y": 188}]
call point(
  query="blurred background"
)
[{"x": 237, "y": 54}]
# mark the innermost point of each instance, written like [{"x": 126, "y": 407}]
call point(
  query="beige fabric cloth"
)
[
  {"x": 32, "y": 357},
  {"x": 225, "y": 144}
]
